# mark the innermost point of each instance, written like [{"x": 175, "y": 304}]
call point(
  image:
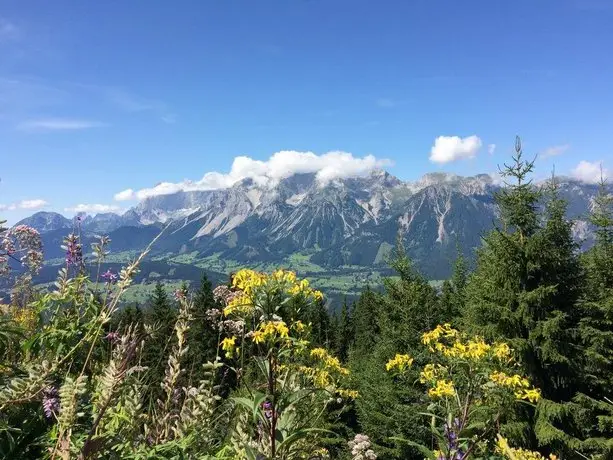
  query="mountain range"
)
[{"x": 345, "y": 223}]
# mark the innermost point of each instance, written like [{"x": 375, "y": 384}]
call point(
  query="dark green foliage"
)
[
  {"x": 596, "y": 332},
  {"x": 386, "y": 324},
  {"x": 322, "y": 332},
  {"x": 524, "y": 290},
  {"x": 160, "y": 319},
  {"x": 202, "y": 336},
  {"x": 344, "y": 331}
]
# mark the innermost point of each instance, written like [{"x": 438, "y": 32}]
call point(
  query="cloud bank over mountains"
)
[{"x": 327, "y": 167}]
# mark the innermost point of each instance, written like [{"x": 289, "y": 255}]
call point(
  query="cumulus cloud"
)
[
  {"x": 125, "y": 195},
  {"x": 451, "y": 148},
  {"x": 32, "y": 204},
  {"x": 93, "y": 208},
  {"x": 327, "y": 167},
  {"x": 590, "y": 172},
  {"x": 58, "y": 124},
  {"x": 554, "y": 151},
  {"x": 24, "y": 204},
  {"x": 491, "y": 149}
]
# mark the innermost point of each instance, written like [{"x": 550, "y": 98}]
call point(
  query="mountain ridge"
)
[{"x": 351, "y": 221}]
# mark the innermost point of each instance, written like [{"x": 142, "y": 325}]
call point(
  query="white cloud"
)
[
  {"x": 93, "y": 208},
  {"x": 554, "y": 151},
  {"x": 589, "y": 172},
  {"x": 491, "y": 149},
  {"x": 328, "y": 167},
  {"x": 32, "y": 204},
  {"x": 452, "y": 148},
  {"x": 125, "y": 195},
  {"x": 24, "y": 204},
  {"x": 58, "y": 124}
]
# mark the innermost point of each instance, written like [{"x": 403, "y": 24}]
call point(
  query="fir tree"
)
[
  {"x": 345, "y": 331},
  {"x": 524, "y": 290},
  {"x": 203, "y": 335},
  {"x": 365, "y": 321},
  {"x": 453, "y": 292},
  {"x": 385, "y": 325},
  {"x": 596, "y": 332},
  {"x": 161, "y": 318},
  {"x": 316, "y": 314}
]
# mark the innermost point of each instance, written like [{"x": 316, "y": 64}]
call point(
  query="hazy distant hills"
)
[{"x": 346, "y": 223}]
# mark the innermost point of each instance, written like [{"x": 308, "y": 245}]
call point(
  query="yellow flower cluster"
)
[
  {"x": 431, "y": 372},
  {"x": 240, "y": 305},
  {"x": 348, "y": 394},
  {"x": 229, "y": 346},
  {"x": 449, "y": 342},
  {"x": 511, "y": 453},
  {"x": 502, "y": 351},
  {"x": 330, "y": 362},
  {"x": 520, "y": 386},
  {"x": 25, "y": 317},
  {"x": 439, "y": 332},
  {"x": 328, "y": 369},
  {"x": 399, "y": 363},
  {"x": 250, "y": 281},
  {"x": 299, "y": 326},
  {"x": 442, "y": 389},
  {"x": 270, "y": 331}
]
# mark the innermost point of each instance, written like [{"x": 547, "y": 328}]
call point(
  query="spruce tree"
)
[
  {"x": 365, "y": 321},
  {"x": 524, "y": 290},
  {"x": 203, "y": 333},
  {"x": 596, "y": 332},
  {"x": 344, "y": 331},
  {"x": 161, "y": 317},
  {"x": 386, "y": 324},
  {"x": 453, "y": 291}
]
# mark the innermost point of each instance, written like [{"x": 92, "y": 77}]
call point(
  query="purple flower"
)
[
  {"x": 109, "y": 276},
  {"x": 74, "y": 250},
  {"x": 267, "y": 406},
  {"x": 112, "y": 337},
  {"x": 51, "y": 401}
]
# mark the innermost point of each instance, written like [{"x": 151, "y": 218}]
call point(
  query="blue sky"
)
[{"x": 100, "y": 97}]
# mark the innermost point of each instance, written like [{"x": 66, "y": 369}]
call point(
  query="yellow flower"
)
[
  {"x": 502, "y": 351},
  {"x": 319, "y": 353},
  {"x": 511, "y": 381},
  {"x": 330, "y": 363},
  {"x": 532, "y": 394},
  {"x": 258, "y": 337},
  {"x": 322, "y": 378},
  {"x": 430, "y": 372},
  {"x": 239, "y": 305},
  {"x": 299, "y": 326},
  {"x": 399, "y": 362},
  {"x": 502, "y": 447},
  {"x": 349, "y": 394},
  {"x": 248, "y": 281},
  {"x": 442, "y": 389},
  {"x": 434, "y": 335},
  {"x": 228, "y": 345}
]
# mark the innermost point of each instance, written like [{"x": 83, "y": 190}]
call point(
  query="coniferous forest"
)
[{"x": 511, "y": 358}]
